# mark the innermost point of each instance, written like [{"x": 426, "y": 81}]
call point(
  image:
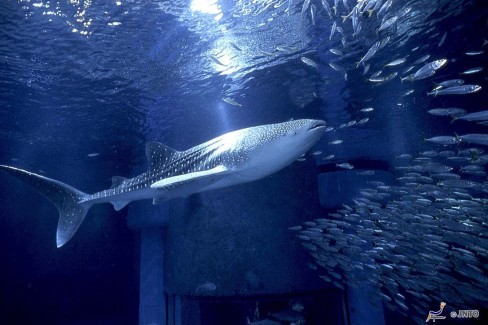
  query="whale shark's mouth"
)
[{"x": 317, "y": 125}]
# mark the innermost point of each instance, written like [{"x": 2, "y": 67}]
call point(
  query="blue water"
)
[{"x": 84, "y": 85}]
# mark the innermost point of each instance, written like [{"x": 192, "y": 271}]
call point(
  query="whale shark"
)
[{"x": 236, "y": 157}]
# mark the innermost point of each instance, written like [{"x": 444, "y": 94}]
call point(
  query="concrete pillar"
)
[{"x": 150, "y": 221}]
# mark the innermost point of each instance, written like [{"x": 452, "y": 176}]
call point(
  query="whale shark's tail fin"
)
[{"x": 67, "y": 199}]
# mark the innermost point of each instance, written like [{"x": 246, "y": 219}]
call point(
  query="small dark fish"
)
[
  {"x": 206, "y": 287},
  {"x": 235, "y": 46}
]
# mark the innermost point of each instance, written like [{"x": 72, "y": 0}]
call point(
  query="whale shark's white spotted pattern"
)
[{"x": 232, "y": 158}]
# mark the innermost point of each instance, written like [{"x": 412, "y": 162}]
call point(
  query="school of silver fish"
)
[{"x": 424, "y": 238}]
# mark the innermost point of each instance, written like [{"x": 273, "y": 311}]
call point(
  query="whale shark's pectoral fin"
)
[
  {"x": 159, "y": 199},
  {"x": 187, "y": 184},
  {"x": 119, "y": 205}
]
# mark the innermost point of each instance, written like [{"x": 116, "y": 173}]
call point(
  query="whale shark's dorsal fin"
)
[
  {"x": 117, "y": 181},
  {"x": 158, "y": 154}
]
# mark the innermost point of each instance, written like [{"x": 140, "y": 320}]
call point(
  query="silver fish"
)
[
  {"x": 336, "y": 67},
  {"x": 447, "y": 111},
  {"x": 451, "y": 83},
  {"x": 476, "y": 116},
  {"x": 333, "y": 30},
  {"x": 336, "y": 5},
  {"x": 377, "y": 79},
  {"x": 429, "y": 69},
  {"x": 326, "y": 6},
  {"x": 475, "y": 138},
  {"x": 442, "y": 40},
  {"x": 345, "y": 166},
  {"x": 388, "y": 23},
  {"x": 306, "y": 4},
  {"x": 367, "y": 109},
  {"x": 372, "y": 51},
  {"x": 231, "y": 101},
  {"x": 422, "y": 59},
  {"x": 384, "y": 41},
  {"x": 369, "y": 6},
  {"x": 391, "y": 76},
  {"x": 471, "y": 53},
  {"x": 309, "y": 62},
  {"x": 313, "y": 10},
  {"x": 336, "y": 142},
  {"x": 444, "y": 140},
  {"x": 336, "y": 52},
  {"x": 363, "y": 120},
  {"x": 472, "y": 70},
  {"x": 456, "y": 90},
  {"x": 404, "y": 11},
  {"x": 408, "y": 92},
  {"x": 366, "y": 69},
  {"x": 377, "y": 6},
  {"x": 407, "y": 70},
  {"x": 396, "y": 62},
  {"x": 385, "y": 7},
  {"x": 376, "y": 74},
  {"x": 358, "y": 29}
]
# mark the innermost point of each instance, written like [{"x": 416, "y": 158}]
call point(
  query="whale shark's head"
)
[
  {"x": 301, "y": 133},
  {"x": 269, "y": 148}
]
